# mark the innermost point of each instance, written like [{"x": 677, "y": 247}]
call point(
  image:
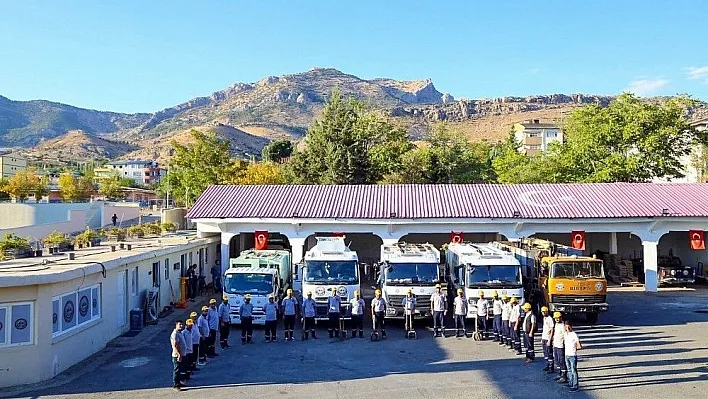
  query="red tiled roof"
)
[{"x": 536, "y": 201}]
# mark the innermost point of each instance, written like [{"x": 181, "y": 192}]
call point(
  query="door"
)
[{"x": 122, "y": 299}]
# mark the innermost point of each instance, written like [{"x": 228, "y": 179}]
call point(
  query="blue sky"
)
[{"x": 142, "y": 56}]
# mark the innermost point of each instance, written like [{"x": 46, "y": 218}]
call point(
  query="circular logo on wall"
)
[
  {"x": 20, "y": 324},
  {"x": 83, "y": 306},
  {"x": 69, "y": 311},
  {"x": 560, "y": 287},
  {"x": 598, "y": 286},
  {"x": 320, "y": 291},
  {"x": 54, "y": 318}
]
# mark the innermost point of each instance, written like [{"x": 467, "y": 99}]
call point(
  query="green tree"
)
[
  {"x": 24, "y": 184},
  {"x": 277, "y": 150},
  {"x": 513, "y": 167},
  {"x": 260, "y": 173},
  {"x": 197, "y": 165},
  {"x": 445, "y": 157},
  {"x": 74, "y": 188},
  {"x": 348, "y": 144},
  {"x": 111, "y": 189}
]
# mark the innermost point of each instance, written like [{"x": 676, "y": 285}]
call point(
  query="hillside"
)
[{"x": 77, "y": 145}]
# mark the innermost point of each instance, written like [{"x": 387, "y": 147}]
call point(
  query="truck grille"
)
[
  {"x": 421, "y": 302},
  {"x": 578, "y": 298}
]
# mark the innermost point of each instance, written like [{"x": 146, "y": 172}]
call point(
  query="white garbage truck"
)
[
  {"x": 407, "y": 266},
  {"x": 487, "y": 268},
  {"x": 259, "y": 273},
  {"x": 330, "y": 264}
]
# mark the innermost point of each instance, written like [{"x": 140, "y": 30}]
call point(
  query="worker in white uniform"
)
[
  {"x": 546, "y": 339},
  {"x": 187, "y": 358},
  {"x": 408, "y": 304},
  {"x": 529, "y": 326},
  {"x": 460, "y": 310},
  {"x": 438, "y": 306},
  {"x": 515, "y": 325},
  {"x": 290, "y": 310},
  {"x": 334, "y": 309},
  {"x": 378, "y": 310},
  {"x": 572, "y": 345},
  {"x": 213, "y": 319},
  {"x": 245, "y": 312},
  {"x": 482, "y": 313},
  {"x": 557, "y": 336},
  {"x": 309, "y": 307},
  {"x": 271, "y": 320},
  {"x": 358, "y": 306},
  {"x": 506, "y": 312},
  {"x": 497, "y": 313},
  {"x": 203, "y": 326},
  {"x": 195, "y": 341},
  {"x": 224, "y": 312}
]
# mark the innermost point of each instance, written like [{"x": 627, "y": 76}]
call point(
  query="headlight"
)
[
  {"x": 685, "y": 272},
  {"x": 320, "y": 291},
  {"x": 470, "y": 301},
  {"x": 342, "y": 291},
  {"x": 673, "y": 272}
]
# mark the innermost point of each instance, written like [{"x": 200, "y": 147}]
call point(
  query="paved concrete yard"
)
[{"x": 647, "y": 346}]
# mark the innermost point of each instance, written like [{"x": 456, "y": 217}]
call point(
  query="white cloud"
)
[
  {"x": 646, "y": 87},
  {"x": 698, "y": 73}
]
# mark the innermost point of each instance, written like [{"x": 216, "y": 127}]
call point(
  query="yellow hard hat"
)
[
  {"x": 309, "y": 293},
  {"x": 334, "y": 289},
  {"x": 480, "y": 293},
  {"x": 189, "y": 322},
  {"x": 225, "y": 297},
  {"x": 495, "y": 294},
  {"x": 505, "y": 297},
  {"x": 290, "y": 291},
  {"x": 193, "y": 314},
  {"x": 438, "y": 286},
  {"x": 212, "y": 300},
  {"x": 205, "y": 308},
  {"x": 526, "y": 306},
  {"x": 410, "y": 290},
  {"x": 514, "y": 300},
  {"x": 271, "y": 296},
  {"x": 544, "y": 308},
  {"x": 356, "y": 292},
  {"x": 378, "y": 292},
  {"x": 459, "y": 291},
  {"x": 247, "y": 296},
  {"x": 557, "y": 315}
]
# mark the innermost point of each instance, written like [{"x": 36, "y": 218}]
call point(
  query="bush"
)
[
  {"x": 152, "y": 229},
  {"x": 116, "y": 232},
  {"x": 12, "y": 246},
  {"x": 56, "y": 239},
  {"x": 171, "y": 227},
  {"x": 136, "y": 231},
  {"x": 86, "y": 237}
]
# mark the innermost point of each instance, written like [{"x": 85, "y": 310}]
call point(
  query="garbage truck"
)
[
  {"x": 564, "y": 279},
  {"x": 259, "y": 273},
  {"x": 330, "y": 264},
  {"x": 405, "y": 266},
  {"x": 484, "y": 267}
]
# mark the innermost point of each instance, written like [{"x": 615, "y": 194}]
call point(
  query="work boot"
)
[
  {"x": 562, "y": 380},
  {"x": 267, "y": 339},
  {"x": 313, "y": 335},
  {"x": 383, "y": 334},
  {"x": 305, "y": 335},
  {"x": 361, "y": 333},
  {"x": 331, "y": 334}
]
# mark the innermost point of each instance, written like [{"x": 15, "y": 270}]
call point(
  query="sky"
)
[{"x": 143, "y": 56}]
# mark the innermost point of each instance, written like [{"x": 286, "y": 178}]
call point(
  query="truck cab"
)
[
  {"x": 406, "y": 266},
  {"x": 330, "y": 264},
  {"x": 260, "y": 273},
  {"x": 487, "y": 268}
]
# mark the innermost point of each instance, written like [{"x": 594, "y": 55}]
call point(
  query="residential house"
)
[
  {"x": 535, "y": 137},
  {"x": 141, "y": 171},
  {"x": 11, "y": 163}
]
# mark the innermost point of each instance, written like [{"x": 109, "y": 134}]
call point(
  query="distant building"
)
[
  {"x": 141, "y": 171},
  {"x": 11, "y": 163},
  {"x": 695, "y": 164},
  {"x": 535, "y": 137}
]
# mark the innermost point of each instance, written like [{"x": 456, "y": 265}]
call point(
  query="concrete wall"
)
[
  {"x": 75, "y": 223},
  {"x": 21, "y": 215},
  {"x": 49, "y": 356},
  {"x": 127, "y": 210}
]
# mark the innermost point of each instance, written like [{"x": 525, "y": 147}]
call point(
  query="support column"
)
[
  {"x": 613, "y": 243},
  {"x": 390, "y": 241},
  {"x": 651, "y": 280},
  {"x": 225, "y": 253}
]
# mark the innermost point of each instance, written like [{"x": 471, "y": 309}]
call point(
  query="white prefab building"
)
[{"x": 635, "y": 221}]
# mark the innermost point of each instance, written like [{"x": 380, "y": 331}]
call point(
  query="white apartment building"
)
[
  {"x": 535, "y": 137},
  {"x": 142, "y": 171},
  {"x": 10, "y": 164}
]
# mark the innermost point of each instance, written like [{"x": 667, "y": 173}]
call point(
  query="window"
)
[
  {"x": 134, "y": 282},
  {"x": 16, "y": 324},
  {"x": 533, "y": 147},
  {"x": 532, "y": 134},
  {"x": 551, "y": 134},
  {"x": 156, "y": 274},
  {"x": 183, "y": 261},
  {"x": 206, "y": 255},
  {"x": 167, "y": 269},
  {"x": 75, "y": 309}
]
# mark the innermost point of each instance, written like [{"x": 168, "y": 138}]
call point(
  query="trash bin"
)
[{"x": 136, "y": 319}]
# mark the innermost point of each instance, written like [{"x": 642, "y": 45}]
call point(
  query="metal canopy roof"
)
[{"x": 414, "y": 201}]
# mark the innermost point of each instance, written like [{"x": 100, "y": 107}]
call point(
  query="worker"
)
[
  {"x": 557, "y": 337},
  {"x": 309, "y": 311},
  {"x": 271, "y": 319},
  {"x": 460, "y": 309},
  {"x": 482, "y": 313},
  {"x": 515, "y": 325},
  {"x": 203, "y": 326},
  {"x": 378, "y": 310},
  {"x": 529, "y": 326},
  {"x": 438, "y": 306},
  {"x": 224, "y": 322},
  {"x": 290, "y": 310},
  {"x": 497, "y": 312},
  {"x": 245, "y": 311},
  {"x": 358, "y": 306},
  {"x": 408, "y": 304},
  {"x": 178, "y": 352},
  {"x": 213, "y": 319},
  {"x": 195, "y": 341},
  {"x": 334, "y": 308},
  {"x": 572, "y": 346},
  {"x": 187, "y": 358},
  {"x": 546, "y": 340},
  {"x": 506, "y": 311}
]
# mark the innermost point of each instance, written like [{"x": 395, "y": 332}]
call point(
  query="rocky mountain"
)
[{"x": 77, "y": 145}]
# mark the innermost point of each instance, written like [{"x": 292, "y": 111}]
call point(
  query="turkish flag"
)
[
  {"x": 577, "y": 240},
  {"x": 262, "y": 239},
  {"x": 456, "y": 238},
  {"x": 697, "y": 238},
  {"x": 337, "y": 234}
]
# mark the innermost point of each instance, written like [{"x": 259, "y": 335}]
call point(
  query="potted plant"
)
[
  {"x": 115, "y": 234},
  {"x": 152, "y": 229},
  {"x": 14, "y": 247},
  {"x": 169, "y": 227},
  {"x": 56, "y": 241},
  {"x": 136, "y": 231}
]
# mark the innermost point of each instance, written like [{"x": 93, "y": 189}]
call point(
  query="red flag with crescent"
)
[
  {"x": 456, "y": 238},
  {"x": 697, "y": 238},
  {"x": 577, "y": 240},
  {"x": 338, "y": 234},
  {"x": 261, "y": 239}
]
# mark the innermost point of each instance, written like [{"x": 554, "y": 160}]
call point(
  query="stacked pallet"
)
[{"x": 617, "y": 269}]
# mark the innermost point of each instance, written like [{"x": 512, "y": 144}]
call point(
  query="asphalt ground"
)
[{"x": 647, "y": 345}]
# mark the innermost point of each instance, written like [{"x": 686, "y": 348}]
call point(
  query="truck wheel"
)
[{"x": 591, "y": 318}]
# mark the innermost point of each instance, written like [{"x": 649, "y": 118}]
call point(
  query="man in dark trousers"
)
[
  {"x": 178, "y": 351},
  {"x": 114, "y": 218}
]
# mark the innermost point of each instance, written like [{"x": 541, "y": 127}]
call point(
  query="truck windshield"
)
[
  {"x": 491, "y": 275},
  {"x": 412, "y": 273},
  {"x": 248, "y": 283},
  {"x": 331, "y": 272},
  {"x": 577, "y": 270}
]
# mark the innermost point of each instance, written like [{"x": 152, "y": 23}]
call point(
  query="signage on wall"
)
[
  {"x": 697, "y": 239},
  {"x": 577, "y": 240},
  {"x": 456, "y": 238},
  {"x": 261, "y": 239}
]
